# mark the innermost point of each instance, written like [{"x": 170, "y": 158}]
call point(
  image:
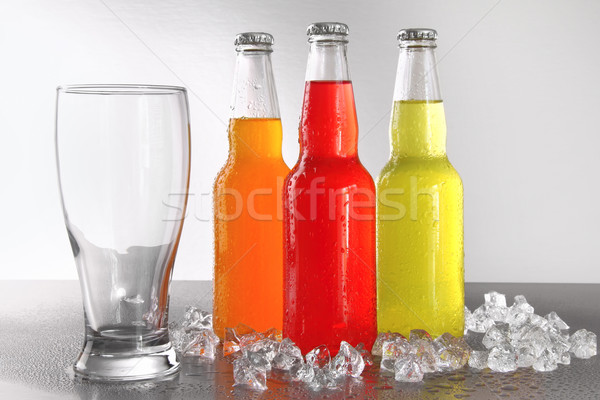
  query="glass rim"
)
[{"x": 121, "y": 89}]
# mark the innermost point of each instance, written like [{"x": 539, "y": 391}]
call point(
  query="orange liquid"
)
[{"x": 248, "y": 228}]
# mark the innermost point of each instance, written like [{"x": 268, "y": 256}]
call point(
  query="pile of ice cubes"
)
[
  {"x": 515, "y": 337},
  {"x": 193, "y": 335},
  {"x": 409, "y": 359},
  {"x": 496, "y": 336},
  {"x": 258, "y": 353}
]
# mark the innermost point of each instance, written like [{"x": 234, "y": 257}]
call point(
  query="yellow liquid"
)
[{"x": 420, "y": 269}]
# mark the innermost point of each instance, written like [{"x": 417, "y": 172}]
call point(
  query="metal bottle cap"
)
[
  {"x": 327, "y": 28},
  {"x": 417, "y": 34},
  {"x": 254, "y": 38}
]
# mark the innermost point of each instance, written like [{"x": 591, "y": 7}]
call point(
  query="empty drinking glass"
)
[{"x": 123, "y": 158}]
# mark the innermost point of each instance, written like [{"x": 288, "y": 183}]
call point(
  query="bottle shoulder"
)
[
  {"x": 236, "y": 171},
  {"x": 332, "y": 172},
  {"x": 433, "y": 169}
]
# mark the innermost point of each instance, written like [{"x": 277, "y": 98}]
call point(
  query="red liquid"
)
[{"x": 329, "y": 227}]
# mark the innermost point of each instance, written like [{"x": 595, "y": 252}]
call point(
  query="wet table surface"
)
[{"x": 41, "y": 329}]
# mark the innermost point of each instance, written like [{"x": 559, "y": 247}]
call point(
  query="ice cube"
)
[
  {"x": 273, "y": 334},
  {"x": 495, "y": 336},
  {"x": 518, "y": 313},
  {"x": 196, "y": 318},
  {"x": 481, "y": 319},
  {"x": 231, "y": 344},
  {"x": 426, "y": 360},
  {"x": 408, "y": 369},
  {"x": 495, "y": 306},
  {"x": 319, "y": 357},
  {"x": 288, "y": 347},
  {"x": 555, "y": 321},
  {"x": 517, "y": 332},
  {"x": 419, "y": 334},
  {"x": 288, "y": 355},
  {"x": 521, "y": 302},
  {"x": 583, "y": 344},
  {"x": 176, "y": 335},
  {"x": 383, "y": 337},
  {"x": 387, "y": 365},
  {"x": 302, "y": 372},
  {"x": 250, "y": 338},
  {"x": 366, "y": 356},
  {"x": 502, "y": 358},
  {"x": 258, "y": 360},
  {"x": 545, "y": 362},
  {"x": 284, "y": 362},
  {"x": 451, "y": 353},
  {"x": 323, "y": 378},
  {"x": 395, "y": 348},
  {"x": 469, "y": 320},
  {"x": 422, "y": 345},
  {"x": 244, "y": 374},
  {"x": 495, "y": 299},
  {"x": 267, "y": 348},
  {"x": 391, "y": 350},
  {"x": 559, "y": 354},
  {"x": 478, "y": 359},
  {"x": 200, "y": 343},
  {"x": 443, "y": 342},
  {"x": 525, "y": 356},
  {"x": 538, "y": 321},
  {"x": 243, "y": 329},
  {"x": 348, "y": 361},
  {"x": 537, "y": 339},
  {"x": 233, "y": 337},
  {"x": 516, "y": 316},
  {"x": 559, "y": 340}
]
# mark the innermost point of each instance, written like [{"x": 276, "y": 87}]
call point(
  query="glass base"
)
[{"x": 97, "y": 364}]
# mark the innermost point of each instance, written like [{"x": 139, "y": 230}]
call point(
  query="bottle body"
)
[
  {"x": 329, "y": 211},
  {"x": 248, "y": 228},
  {"x": 419, "y": 211},
  {"x": 420, "y": 242}
]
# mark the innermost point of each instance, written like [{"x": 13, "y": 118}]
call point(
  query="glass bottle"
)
[
  {"x": 248, "y": 224},
  {"x": 329, "y": 210},
  {"x": 420, "y": 204}
]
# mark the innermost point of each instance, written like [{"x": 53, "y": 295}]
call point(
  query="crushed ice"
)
[
  {"x": 193, "y": 336},
  {"x": 515, "y": 337},
  {"x": 258, "y": 353},
  {"x": 499, "y": 337}
]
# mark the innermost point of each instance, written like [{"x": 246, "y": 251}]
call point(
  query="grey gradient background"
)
[{"x": 520, "y": 82}]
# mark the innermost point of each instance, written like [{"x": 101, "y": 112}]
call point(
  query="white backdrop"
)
[{"x": 520, "y": 82}]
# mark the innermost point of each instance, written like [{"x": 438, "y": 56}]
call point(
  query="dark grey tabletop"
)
[{"x": 41, "y": 329}]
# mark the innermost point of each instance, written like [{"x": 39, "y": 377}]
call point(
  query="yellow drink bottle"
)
[{"x": 420, "y": 273}]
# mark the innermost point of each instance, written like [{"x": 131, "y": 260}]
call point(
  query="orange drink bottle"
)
[{"x": 248, "y": 281}]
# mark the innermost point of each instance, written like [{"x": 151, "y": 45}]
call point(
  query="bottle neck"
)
[
  {"x": 329, "y": 127},
  {"x": 255, "y": 125},
  {"x": 254, "y": 93},
  {"x": 327, "y": 59},
  {"x": 418, "y": 125}
]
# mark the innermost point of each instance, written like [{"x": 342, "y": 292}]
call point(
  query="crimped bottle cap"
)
[
  {"x": 417, "y": 34},
  {"x": 254, "y": 38},
  {"x": 327, "y": 28}
]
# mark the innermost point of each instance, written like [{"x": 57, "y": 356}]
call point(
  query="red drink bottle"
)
[{"x": 329, "y": 216}]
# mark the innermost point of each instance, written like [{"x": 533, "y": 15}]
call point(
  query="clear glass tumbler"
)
[{"x": 123, "y": 158}]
